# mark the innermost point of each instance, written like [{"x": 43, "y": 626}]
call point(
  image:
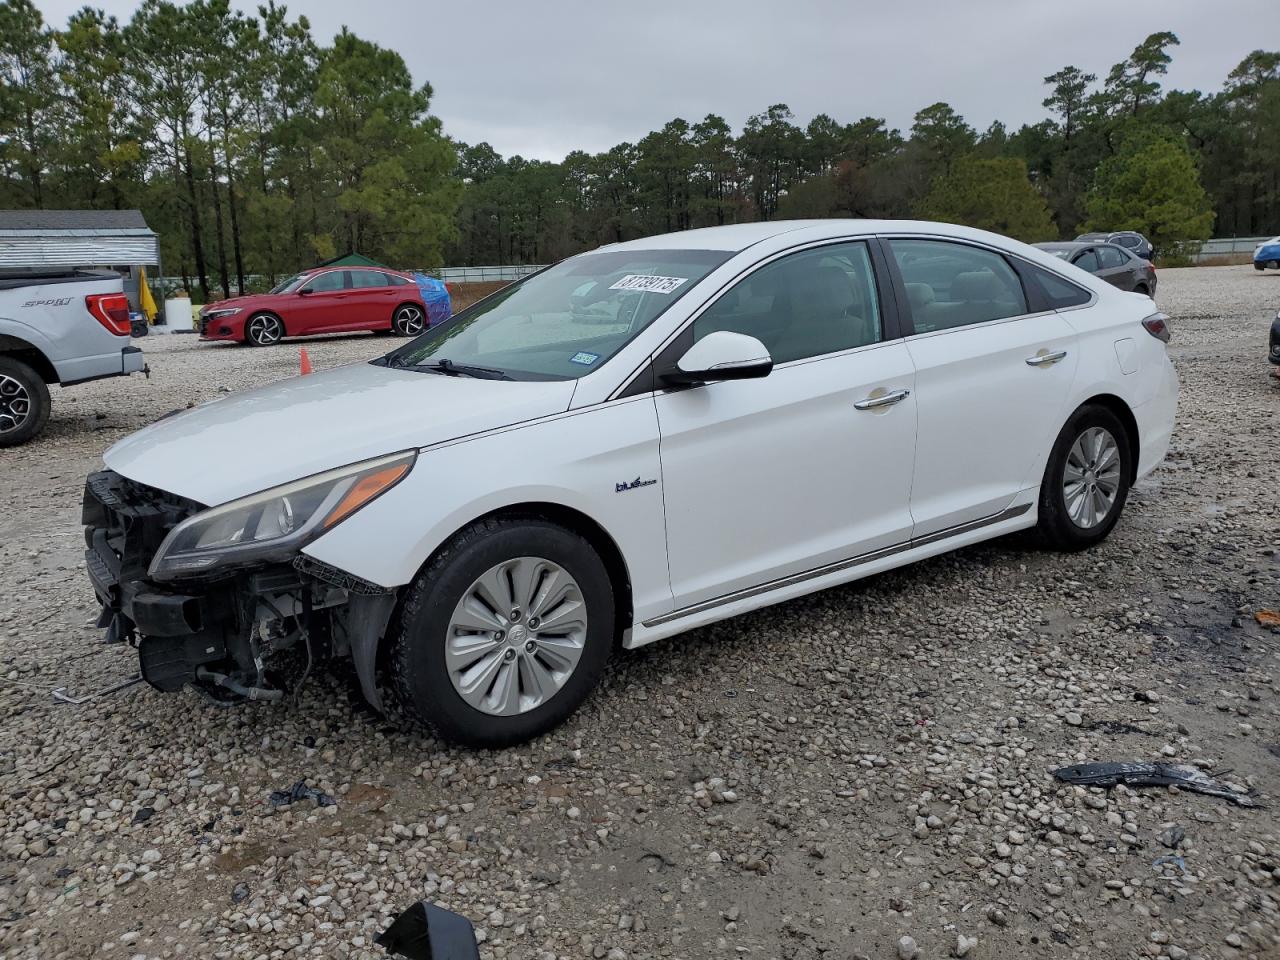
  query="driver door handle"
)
[
  {"x": 1045, "y": 359},
  {"x": 884, "y": 400}
]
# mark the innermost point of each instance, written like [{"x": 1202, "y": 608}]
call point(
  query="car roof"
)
[
  {"x": 1067, "y": 245},
  {"x": 737, "y": 237}
]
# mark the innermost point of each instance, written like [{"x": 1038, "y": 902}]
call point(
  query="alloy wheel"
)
[
  {"x": 516, "y": 636},
  {"x": 408, "y": 321},
  {"x": 15, "y": 404},
  {"x": 264, "y": 330},
  {"x": 1091, "y": 477}
]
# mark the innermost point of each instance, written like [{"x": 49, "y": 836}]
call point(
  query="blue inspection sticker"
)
[{"x": 584, "y": 358}]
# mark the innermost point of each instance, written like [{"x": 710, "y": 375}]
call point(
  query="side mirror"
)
[
  {"x": 304, "y": 291},
  {"x": 720, "y": 356}
]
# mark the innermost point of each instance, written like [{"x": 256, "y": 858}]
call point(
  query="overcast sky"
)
[{"x": 546, "y": 77}]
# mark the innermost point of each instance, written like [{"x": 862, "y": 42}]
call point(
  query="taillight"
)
[
  {"x": 1158, "y": 326},
  {"x": 111, "y": 310}
]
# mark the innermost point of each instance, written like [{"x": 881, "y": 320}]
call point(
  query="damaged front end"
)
[{"x": 223, "y": 599}]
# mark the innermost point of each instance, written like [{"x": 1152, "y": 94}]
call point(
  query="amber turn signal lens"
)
[{"x": 365, "y": 489}]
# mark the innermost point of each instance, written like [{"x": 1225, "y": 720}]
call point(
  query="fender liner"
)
[{"x": 367, "y": 621}]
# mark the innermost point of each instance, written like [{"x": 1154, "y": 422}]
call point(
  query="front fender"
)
[{"x": 583, "y": 460}]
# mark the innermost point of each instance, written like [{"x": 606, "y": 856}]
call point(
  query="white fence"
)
[
  {"x": 1227, "y": 247},
  {"x": 484, "y": 274}
]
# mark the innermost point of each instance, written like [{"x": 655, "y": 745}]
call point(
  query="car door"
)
[
  {"x": 1115, "y": 267},
  {"x": 992, "y": 379},
  {"x": 322, "y": 303},
  {"x": 373, "y": 299},
  {"x": 767, "y": 478}
]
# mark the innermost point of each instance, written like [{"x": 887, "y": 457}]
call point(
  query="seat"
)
[{"x": 824, "y": 318}]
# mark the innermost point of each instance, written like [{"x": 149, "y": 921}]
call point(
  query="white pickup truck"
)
[{"x": 63, "y": 328}]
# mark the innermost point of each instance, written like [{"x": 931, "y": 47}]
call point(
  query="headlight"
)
[
  {"x": 217, "y": 314},
  {"x": 276, "y": 523}
]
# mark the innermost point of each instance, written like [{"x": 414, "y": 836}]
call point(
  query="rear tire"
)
[
  {"x": 263, "y": 330},
  {"x": 24, "y": 402},
  {"x": 1142, "y": 289},
  {"x": 409, "y": 320},
  {"x": 486, "y": 677},
  {"x": 1086, "y": 481}
]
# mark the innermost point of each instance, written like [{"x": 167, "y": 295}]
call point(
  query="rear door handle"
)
[
  {"x": 1046, "y": 359},
  {"x": 883, "y": 400}
]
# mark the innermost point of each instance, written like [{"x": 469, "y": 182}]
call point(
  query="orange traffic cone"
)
[{"x": 304, "y": 365}]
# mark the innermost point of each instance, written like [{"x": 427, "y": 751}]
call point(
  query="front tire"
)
[
  {"x": 24, "y": 402},
  {"x": 263, "y": 330},
  {"x": 1086, "y": 481},
  {"x": 504, "y": 634}
]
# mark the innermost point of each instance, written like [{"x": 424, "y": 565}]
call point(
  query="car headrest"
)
[
  {"x": 920, "y": 294},
  {"x": 975, "y": 285},
  {"x": 827, "y": 290}
]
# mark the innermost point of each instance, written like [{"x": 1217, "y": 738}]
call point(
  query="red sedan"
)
[{"x": 325, "y": 300}]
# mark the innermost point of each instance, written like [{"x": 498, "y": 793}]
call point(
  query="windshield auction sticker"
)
[{"x": 648, "y": 284}]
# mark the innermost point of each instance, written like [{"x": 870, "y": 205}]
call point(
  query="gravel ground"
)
[{"x": 822, "y": 779}]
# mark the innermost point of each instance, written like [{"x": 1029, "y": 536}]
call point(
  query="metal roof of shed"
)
[{"x": 76, "y": 238}]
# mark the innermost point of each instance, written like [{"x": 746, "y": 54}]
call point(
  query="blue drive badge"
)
[{"x": 584, "y": 358}]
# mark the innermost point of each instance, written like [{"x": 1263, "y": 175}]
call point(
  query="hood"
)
[
  {"x": 241, "y": 302},
  {"x": 247, "y": 442}
]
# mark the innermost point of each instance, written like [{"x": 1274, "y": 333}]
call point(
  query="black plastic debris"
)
[
  {"x": 428, "y": 932},
  {"x": 300, "y": 791},
  {"x": 1179, "y": 775}
]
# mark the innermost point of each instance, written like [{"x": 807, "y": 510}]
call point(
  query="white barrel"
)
[{"x": 177, "y": 313}]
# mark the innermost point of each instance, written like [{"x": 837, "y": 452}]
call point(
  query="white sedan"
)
[{"x": 635, "y": 442}]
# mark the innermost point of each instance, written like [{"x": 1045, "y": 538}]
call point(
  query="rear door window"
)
[
  {"x": 1088, "y": 261},
  {"x": 328, "y": 282},
  {"x": 1110, "y": 258},
  {"x": 361, "y": 279},
  {"x": 956, "y": 285}
]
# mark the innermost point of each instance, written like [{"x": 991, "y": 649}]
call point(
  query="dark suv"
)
[{"x": 1131, "y": 240}]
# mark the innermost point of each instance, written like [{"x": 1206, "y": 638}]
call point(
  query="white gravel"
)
[{"x": 858, "y": 774}]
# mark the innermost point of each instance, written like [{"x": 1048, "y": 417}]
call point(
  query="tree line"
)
[
  {"x": 253, "y": 150},
  {"x": 1114, "y": 153}
]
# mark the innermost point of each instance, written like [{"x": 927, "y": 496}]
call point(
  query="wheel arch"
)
[
  {"x": 571, "y": 519},
  {"x": 1124, "y": 413},
  {"x": 29, "y": 354}
]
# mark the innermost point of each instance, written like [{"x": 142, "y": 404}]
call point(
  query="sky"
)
[{"x": 546, "y": 77}]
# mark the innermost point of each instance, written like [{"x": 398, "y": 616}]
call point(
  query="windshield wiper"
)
[{"x": 451, "y": 369}]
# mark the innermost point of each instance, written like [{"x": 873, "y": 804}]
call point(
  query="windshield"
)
[
  {"x": 566, "y": 321},
  {"x": 288, "y": 286}
]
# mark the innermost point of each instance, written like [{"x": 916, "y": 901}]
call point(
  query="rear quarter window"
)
[{"x": 1050, "y": 291}]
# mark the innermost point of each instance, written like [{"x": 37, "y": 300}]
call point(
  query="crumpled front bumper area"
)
[
  {"x": 175, "y": 631},
  {"x": 246, "y": 634}
]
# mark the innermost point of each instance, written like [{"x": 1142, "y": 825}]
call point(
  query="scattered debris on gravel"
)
[{"x": 861, "y": 773}]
